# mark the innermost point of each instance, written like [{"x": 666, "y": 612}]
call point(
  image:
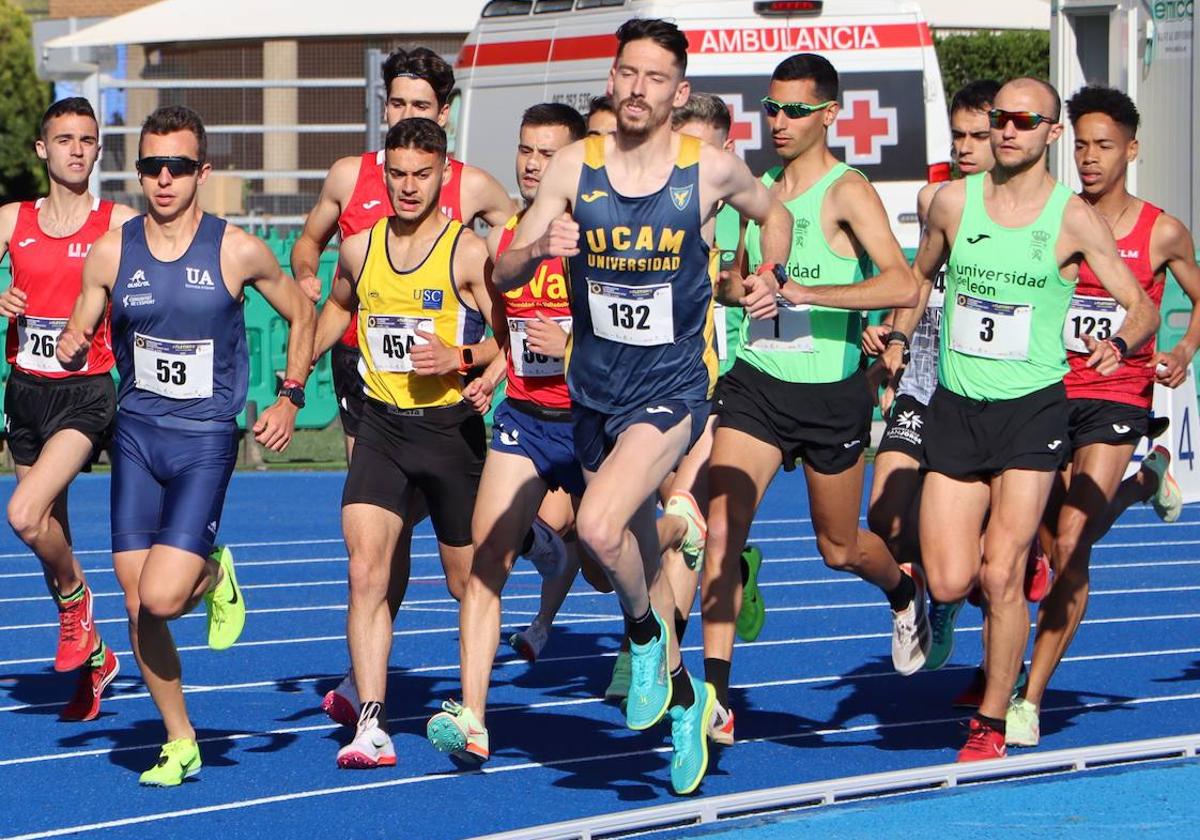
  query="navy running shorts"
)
[
  {"x": 596, "y": 432},
  {"x": 545, "y": 437}
]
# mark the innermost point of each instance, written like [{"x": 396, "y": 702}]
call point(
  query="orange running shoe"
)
[
  {"x": 85, "y": 705},
  {"x": 77, "y": 636}
]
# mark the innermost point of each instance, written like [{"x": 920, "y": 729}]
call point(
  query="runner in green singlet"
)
[{"x": 797, "y": 391}]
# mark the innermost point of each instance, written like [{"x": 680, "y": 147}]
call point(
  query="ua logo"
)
[{"x": 199, "y": 278}]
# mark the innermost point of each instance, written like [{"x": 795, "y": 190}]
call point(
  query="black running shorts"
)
[{"x": 35, "y": 408}]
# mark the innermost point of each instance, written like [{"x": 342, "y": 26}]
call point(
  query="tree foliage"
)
[
  {"x": 988, "y": 55},
  {"x": 23, "y": 100}
]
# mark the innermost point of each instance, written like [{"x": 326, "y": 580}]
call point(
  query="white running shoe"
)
[
  {"x": 528, "y": 643},
  {"x": 720, "y": 726},
  {"x": 341, "y": 704},
  {"x": 1167, "y": 500},
  {"x": 548, "y": 554},
  {"x": 1021, "y": 726},
  {"x": 911, "y": 637},
  {"x": 371, "y": 747}
]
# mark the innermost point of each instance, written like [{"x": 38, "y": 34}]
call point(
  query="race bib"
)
[
  {"x": 639, "y": 315},
  {"x": 1099, "y": 317},
  {"x": 38, "y": 339},
  {"x": 527, "y": 363},
  {"x": 720, "y": 333},
  {"x": 391, "y": 338},
  {"x": 789, "y": 331},
  {"x": 937, "y": 295},
  {"x": 990, "y": 329},
  {"x": 177, "y": 370}
]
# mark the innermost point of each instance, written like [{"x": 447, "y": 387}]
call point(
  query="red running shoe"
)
[
  {"x": 1037, "y": 573},
  {"x": 77, "y": 636},
  {"x": 983, "y": 743},
  {"x": 85, "y": 705}
]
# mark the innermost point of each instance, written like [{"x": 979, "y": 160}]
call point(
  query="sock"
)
[
  {"x": 681, "y": 688},
  {"x": 903, "y": 594},
  {"x": 997, "y": 724},
  {"x": 97, "y": 658},
  {"x": 369, "y": 715},
  {"x": 644, "y": 630},
  {"x": 716, "y": 671},
  {"x": 77, "y": 595},
  {"x": 680, "y": 625},
  {"x": 528, "y": 544},
  {"x": 745, "y": 567}
]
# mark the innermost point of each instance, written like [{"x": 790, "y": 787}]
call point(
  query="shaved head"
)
[{"x": 1029, "y": 94}]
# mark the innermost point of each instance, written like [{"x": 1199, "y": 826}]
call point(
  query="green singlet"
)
[
  {"x": 1005, "y": 303},
  {"x": 728, "y": 227},
  {"x": 807, "y": 343}
]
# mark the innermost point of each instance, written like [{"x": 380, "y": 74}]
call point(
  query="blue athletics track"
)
[{"x": 815, "y": 696}]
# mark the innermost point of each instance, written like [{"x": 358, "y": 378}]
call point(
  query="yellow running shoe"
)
[
  {"x": 178, "y": 760},
  {"x": 224, "y": 602}
]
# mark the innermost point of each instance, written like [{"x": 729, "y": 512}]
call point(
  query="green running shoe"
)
[
  {"x": 224, "y": 603},
  {"x": 1022, "y": 728},
  {"x": 178, "y": 760},
  {"x": 683, "y": 504},
  {"x": 618, "y": 686},
  {"x": 753, "y": 613},
  {"x": 1167, "y": 500},
  {"x": 649, "y": 683},
  {"x": 941, "y": 625},
  {"x": 457, "y": 731},
  {"x": 689, "y": 741}
]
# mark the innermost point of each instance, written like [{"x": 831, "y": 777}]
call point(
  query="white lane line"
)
[{"x": 142, "y": 819}]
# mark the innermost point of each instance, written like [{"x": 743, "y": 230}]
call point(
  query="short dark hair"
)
[
  {"x": 73, "y": 105},
  {"x": 706, "y": 108},
  {"x": 172, "y": 118},
  {"x": 975, "y": 96},
  {"x": 1097, "y": 99},
  {"x": 797, "y": 68},
  {"x": 417, "y": 133},
  {"x": 420, "y": 63},
  {"x": 662, "y": 32},
  {"x": 1049, "y": 88},
  {"x": 556, "y": 113},
  {"x": 601, "y": 104}
]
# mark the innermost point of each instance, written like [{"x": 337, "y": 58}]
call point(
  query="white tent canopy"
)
[{"x": 1009, "y": 14}]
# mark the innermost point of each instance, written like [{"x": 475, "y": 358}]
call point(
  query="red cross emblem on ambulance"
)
[
  {"x": 863, "y": 128},
  {"x": 746, "y": 128}
]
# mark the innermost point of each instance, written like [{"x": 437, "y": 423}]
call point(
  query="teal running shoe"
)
[
  {"x": 689, "y": 741},
  {"x": 649, "y": 683},
  {"x": 941, "y": 626}
]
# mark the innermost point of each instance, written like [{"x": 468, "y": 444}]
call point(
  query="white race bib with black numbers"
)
[
  {"x": 991, "y": 329},
  {"x": 1099, "y": 317},
  {"x": 789, "y": 331},
  {"x": 177, "y": 370},
  {"x": 38, "y": 339},
  {"x": 937, "y": 295},
  {"x": 722, "y": 334},
  {"x": 391, "y": 338},
  {"x": 639, "y": 315},
  {"x": 527, "y": 363}
]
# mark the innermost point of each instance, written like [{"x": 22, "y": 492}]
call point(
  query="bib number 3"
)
[
  {"x": 638, "y": 315},
  {"x": 177, "y": 370},
  {"x": 991, "y": 329}
]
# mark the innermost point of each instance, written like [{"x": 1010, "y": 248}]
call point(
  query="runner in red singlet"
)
[
  {"x": 57, "y": 421},
  {"x": 1108, "y": 414}
]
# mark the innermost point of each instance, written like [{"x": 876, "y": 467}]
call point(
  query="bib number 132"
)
[{"x": 638, "y": 315}]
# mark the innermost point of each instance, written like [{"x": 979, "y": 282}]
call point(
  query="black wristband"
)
[
  {"x": 896, "y": 335},
  {"x": 1120, "y": 345}
]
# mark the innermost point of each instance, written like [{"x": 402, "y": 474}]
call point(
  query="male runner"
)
[
  {"x": 633, "y": 213},
  {"x": 532, "y": 448},
  {"x": 997, "y": 425},
  {"x": 797, "y": 390},
  {"x": 1108, "y": 414},
  {"x": 177, "y": 278},
  {"x": 58, "y": 420},
  {"x": 601, "y": 116},
  {"x": 419, "y": 292}
]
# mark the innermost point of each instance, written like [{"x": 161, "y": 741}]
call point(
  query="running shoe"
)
[
  {"x": 371, "y": 748},
  {"x": 1158, "y": 425},
  {"x": 1167, "y": 500},
  {"x": 341, "y": 703},
  {"x": 457, "y": 731},
  {"x": 941, "y": 627},
  {"x": 85, "y": 705},
  {"x": 910, "y": 627},
  {"x": 983, "y": 743},
  {"x": 649, "y": 683},
  {"x": 683, "y": 504},
  {"x": 548, "y": 554},
  {"x": 178, "y": 760},
  {"x": 77, "y": 636},
  {"x": 1037, "y": 573},
  {"x": 1021, "y": 727},
  {"x": 971, "y": 696},
  {"x": 528, "y": 643},
  {"x": 225, "y": 604},
  {"x": 720, "y": 728},
  {"x": 618, "y": 686},
  {"x": 689, "y": 738},
  {"x": 753, "y": 612}
]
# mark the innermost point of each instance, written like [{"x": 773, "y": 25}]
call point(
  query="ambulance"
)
[{"x": 893, "y": 123}]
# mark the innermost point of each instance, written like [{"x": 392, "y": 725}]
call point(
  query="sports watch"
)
[{"x": 294, "y": 391}]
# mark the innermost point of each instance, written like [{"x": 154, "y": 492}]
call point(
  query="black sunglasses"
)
[{"x": 150, "y": 167}]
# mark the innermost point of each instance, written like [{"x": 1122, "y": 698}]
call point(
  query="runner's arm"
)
[
  {"x": 489, "y": 200},
  {"x": 321, "y": 224},
  {"x": 1173, "y": 241},
  {"x": 339, "y": 307},
  {"x": 12, "y": 301},
  {"x": 99, "y": 273},
  {"x": 546, "y": 229},
  {"x": 736, "y": 185}
]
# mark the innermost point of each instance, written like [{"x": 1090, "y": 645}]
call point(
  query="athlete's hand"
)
[
  {"x": 479, "y": 394},
  {"x": 72, "y": 347},
  {"x": 275, "y": 425},
  {"x": 434, "y": 358},
  {"x": 311, "y": 286},
  {"x": 12, "y": 302},
  {"x": 872, "y": 339},
  {"x": 1170, "y": 369},
  {"x": 546, "y": 337},
  {"x": 1104, "y": 356},
  {"x": 758, "y": 296},
  {"x": 882, "y": 383},
  {"x": 561, "y": 239}
]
